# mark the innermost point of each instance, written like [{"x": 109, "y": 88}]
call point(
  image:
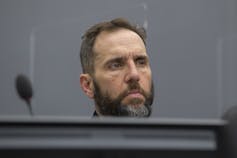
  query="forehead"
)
[{"x": 118, "y": 42}]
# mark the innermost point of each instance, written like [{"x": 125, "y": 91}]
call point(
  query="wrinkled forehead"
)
[{"x": 119, "y": 42}]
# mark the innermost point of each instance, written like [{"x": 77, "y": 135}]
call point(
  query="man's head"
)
[{"x": 116, "y": 69}]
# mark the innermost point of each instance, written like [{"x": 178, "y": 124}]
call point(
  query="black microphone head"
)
[{"x": 23, "y": 87}]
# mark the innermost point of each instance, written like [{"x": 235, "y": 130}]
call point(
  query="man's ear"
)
[{"x": 87, "y": 86}]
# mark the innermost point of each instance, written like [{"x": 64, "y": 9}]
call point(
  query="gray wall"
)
[{"x": 192, "y": 45}]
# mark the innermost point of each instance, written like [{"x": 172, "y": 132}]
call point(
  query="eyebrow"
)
[
  {"x": 116, "y": 59},
  {"x": 123, "y": 58},
  {"x": 141, "y": 57}
]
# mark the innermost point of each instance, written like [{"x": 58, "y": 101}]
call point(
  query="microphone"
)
[{"x": 24, "y": 90}]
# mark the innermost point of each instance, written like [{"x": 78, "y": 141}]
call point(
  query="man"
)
[{"x": 116, "y": 69}]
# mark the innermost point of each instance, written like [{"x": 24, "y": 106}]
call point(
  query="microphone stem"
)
[{"x": 29, "y": 107}]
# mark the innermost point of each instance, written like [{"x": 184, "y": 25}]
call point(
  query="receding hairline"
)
[{"x": 110, "y": 32}]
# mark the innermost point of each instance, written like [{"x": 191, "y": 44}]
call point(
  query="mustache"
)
[{"x": 133, "y": 86}]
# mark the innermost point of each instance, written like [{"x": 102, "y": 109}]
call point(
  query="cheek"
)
[
  {"x": 111, "y": 84},
  {"x": 115, "y": 84},
  {"x": 146, "y": 81}
]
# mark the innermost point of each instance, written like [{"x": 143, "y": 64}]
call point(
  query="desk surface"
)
[
  {"x": 110, "y": 120},
  {"x": 124, "y": 136}
]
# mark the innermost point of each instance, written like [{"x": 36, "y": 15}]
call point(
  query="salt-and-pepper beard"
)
[{"x": 114, "y": 107}]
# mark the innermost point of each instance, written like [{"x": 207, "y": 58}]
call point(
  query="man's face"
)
[{"x": 122, "y": 79}]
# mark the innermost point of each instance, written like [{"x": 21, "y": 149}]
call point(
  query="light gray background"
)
[{"x": 192, "y": 45}]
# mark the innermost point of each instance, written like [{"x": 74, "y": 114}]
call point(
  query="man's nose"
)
[{"x": 132, "y": 73}]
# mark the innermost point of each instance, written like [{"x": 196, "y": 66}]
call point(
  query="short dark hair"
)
[{"x": 88, "y": 39}]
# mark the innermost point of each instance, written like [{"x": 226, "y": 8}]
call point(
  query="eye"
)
[
  {"x": 115, "y": 65},
  {"x": 141, "y": 61}
]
